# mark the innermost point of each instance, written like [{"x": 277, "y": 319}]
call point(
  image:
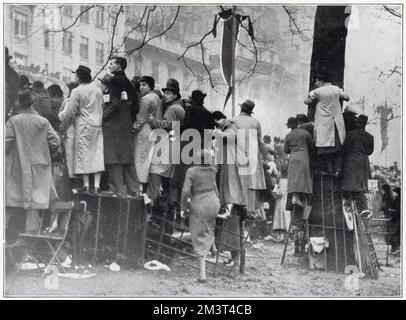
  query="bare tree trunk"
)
[
  {"x": 328, "y": 55},
  {"x": 326, "y": 218}
]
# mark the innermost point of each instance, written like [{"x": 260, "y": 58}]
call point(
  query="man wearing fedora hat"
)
[
  {"x": 173, "y": 114},
  {"x": 358, "y": 145},
  {"x": 197, "y": 116},
  {"x": 251, "y": 180},
  {"x": 29, "y": 183},
  {"x": 117, "y": 137}
]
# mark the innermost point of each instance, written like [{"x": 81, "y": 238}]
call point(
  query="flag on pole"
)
[{"x": 227, "y": 53}]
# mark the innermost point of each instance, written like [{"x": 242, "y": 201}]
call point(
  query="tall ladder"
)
[{"x": 366, "y": 249}]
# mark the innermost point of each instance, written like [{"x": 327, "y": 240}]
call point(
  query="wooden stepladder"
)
[{"x": 366, "y": 254}]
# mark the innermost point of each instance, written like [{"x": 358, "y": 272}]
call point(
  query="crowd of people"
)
[{"x": 100, "y": 136}]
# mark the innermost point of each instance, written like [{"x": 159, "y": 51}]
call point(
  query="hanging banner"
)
[{"x": 227, "y": 53}]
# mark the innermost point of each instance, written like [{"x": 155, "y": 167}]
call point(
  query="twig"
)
[
  {"x": 393, "y": 12},
  {"x": 75, "y": 21},
  {"x": 144, "y": 43},
  {"x": 112, "y": 41}
]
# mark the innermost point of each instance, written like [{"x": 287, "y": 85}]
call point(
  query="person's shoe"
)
[
  {"x": 98, "y": 191},
  {"x": 199, "y": 280},
  {"x": 83, "y": 190}
]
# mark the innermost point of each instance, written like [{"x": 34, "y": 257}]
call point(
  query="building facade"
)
[{"x": 48, "y": 42}]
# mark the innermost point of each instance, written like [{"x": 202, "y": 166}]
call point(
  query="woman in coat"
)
[
  {"x": 85, "y": 107},
  {"x": 299, "y": 145},
  {"x": 29, "y": 182},
  {"x": 357, "y": 147},
  {"x": 150, "y": 108},
  {"x": 200, "y": 188},
  {"x": 230, "y": 189}
]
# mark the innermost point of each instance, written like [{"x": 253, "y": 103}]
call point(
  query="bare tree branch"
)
[
  {"x": 74, "y": 21},
  {"x": 121, "y": 9},
  {"x": 206, "y": 68},
  {"x": 201, "y": 39},
  {"x": 144, "y": 43},
  {"x": 393, "y": 12},
  {"x": 135, "y": 28},
  {"x": 293, "y": 26}
]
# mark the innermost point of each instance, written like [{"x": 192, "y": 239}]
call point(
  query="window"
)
[
  {"x": 181, "y": 28},
  {"x": 84, "y": 48},
  {"x": 67, "y": 42},
  {"x": 171, "y": 71},
  {"x": 66, "y": 74},
  {"x": 99, "y": 52},
  {"x": 155, "y": 71},
  {"x": 20, "y": 59},
  {"x": 100, "y": 17},
  {"x": 46, "y": 39},
  {"x": 20, "y": 24},
  {"x": 67, "y": 10},
  {"x": 85, "y": 15},
  {"x": 195, "y": 26}
]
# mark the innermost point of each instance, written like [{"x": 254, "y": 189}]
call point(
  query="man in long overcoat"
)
[
  {"x": 118, "y": 115},
  {"x": 29, "y": 182},
  {"x": 358, "y": 145},
  {"x": 329, "y": 128}
]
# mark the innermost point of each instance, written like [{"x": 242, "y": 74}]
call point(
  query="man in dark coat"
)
[
  {"x": 120, "y": 84},
  {"x": 358, "y": 145},
  {"x": 117, "y": 139},
  {"x": 350, "y": 119},
  {"x": 197, "y": 116},
  {"x": 43, "y": 104}
]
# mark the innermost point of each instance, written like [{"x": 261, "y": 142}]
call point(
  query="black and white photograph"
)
[{"x": 202, "y": 150}]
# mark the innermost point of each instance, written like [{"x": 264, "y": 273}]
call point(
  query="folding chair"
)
[{"x": 53, "y": 240}]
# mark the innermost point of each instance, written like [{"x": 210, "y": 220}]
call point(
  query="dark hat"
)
[
  {"x": 302, "y": 118},
  {"x": 292, "y": 122},
  {"x": 106, "y": 79},
  {"x": 24, "y": 81},
  {"x": 247, "y": 106},
  {"x": 38, "y": 84},
  {"x": 198, "y": 96},
  {"x": 24, "y": 98},
  {"x": 82, "y": 69},
  {"x": 149, "y": 80},
  {"x": 173, "y": 86},
  {"x": 362, "y": 120}
]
